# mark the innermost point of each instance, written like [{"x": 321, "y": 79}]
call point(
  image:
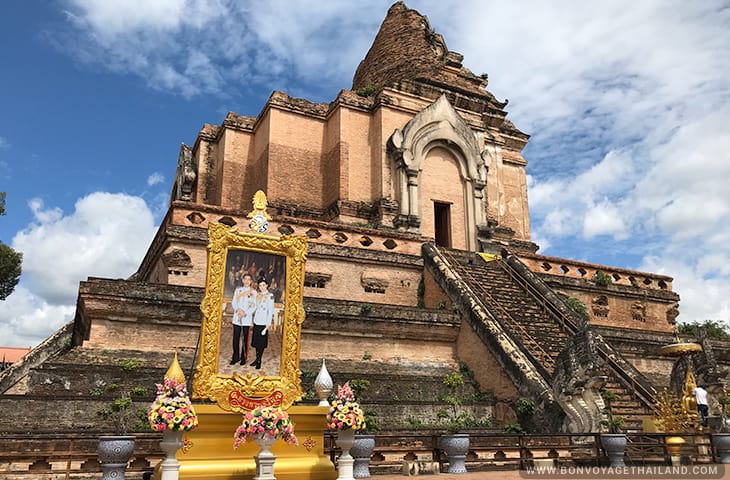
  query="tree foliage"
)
[
  {"x": 576, "y": 305},
  {"x": 602, "y": 279},
  {"x": 713, "y": 328},
  {"x": 10, "y": 263},
  {"x": 10, "y": 267}
]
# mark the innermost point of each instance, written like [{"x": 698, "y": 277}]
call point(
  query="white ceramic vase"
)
[
  {"x": 345, "y": 440},
  {"x": 456, "y": 447},
  {"x": 170, "y": 444},
  {"x": 114, "y": 454},
  {"x": 265, "y": 459}
]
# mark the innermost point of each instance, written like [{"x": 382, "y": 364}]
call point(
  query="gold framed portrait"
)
[{"x": 252, "y": 318}]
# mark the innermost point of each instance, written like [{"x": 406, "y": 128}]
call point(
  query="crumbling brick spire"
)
[{"x": 407, "y": 48}]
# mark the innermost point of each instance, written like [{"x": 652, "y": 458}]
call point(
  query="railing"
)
[
  {"x": 496, "y": 451},
  {"x": 512, "y": 335},
  {"x": 74, "y": 455},
  {"x": 644, "y": 392},
  {"x": 71, "y": 455}
]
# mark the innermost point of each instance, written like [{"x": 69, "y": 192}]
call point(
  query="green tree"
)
[
  {"x": 713, "y": 328},
  {"x": 10, "y": 262},
  {"x": 10, "y": 267}
]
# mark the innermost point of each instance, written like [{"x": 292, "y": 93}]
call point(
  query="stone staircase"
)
[
  {"x": 521, "y": 313},
  {"x": 627, "y": 406},
  {"x": 520, "y": 303}
]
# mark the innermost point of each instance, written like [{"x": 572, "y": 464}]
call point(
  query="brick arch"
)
[{"x": 438, "y": 125}]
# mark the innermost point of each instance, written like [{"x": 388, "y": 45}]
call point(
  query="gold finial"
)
[
  {"x": 259, "y": 218},
  {"x": 175, "y": 371}
]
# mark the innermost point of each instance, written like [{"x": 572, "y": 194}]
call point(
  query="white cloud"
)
[
  {"x": 604, "y": 219},
  {"x": 155, "y": 178},
  {"x": 195, "y": 47},
  {"x": 28, "y": 319},
  {"x": 111, "y": 18},
  {"x": 4, "y": 143},
  {"x": 44, "y": 216},
  {"x": 703, "y": 297},
  {"x": 106, "y": 235}
]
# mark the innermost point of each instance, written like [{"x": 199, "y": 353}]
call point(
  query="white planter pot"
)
[
  {"x": 345, "y": 440},
  {"x": 361, "y": 452},
  {"x": 615, "y": 446},
  {"x": 114, "y": 453},
  {"x": 721, "y": 441},
  {"x": 265, "y": 459},
  {"x": 456, "y": 447},
  {"x": 170, "y": 444}
]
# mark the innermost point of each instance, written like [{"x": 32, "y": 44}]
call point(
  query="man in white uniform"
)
[{"x": 244, "y": 305}]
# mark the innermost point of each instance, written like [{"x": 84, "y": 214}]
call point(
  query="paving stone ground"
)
[
  {"x": 722, "y": 473},
  {"x": 497, "y": 475}
]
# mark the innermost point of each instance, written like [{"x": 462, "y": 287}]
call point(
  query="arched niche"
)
[{"x": 437, "y": 126}]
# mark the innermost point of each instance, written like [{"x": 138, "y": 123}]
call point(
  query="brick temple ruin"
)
[{"x": 399, "y": 183}]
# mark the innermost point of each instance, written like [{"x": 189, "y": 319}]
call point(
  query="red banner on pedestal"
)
[{"x": 239, "y": 400}]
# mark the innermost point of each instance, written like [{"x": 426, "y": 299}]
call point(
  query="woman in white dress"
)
[{"x": 262, "y": 319}]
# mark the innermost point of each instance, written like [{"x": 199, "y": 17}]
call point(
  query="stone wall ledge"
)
[{"x": 557, "y": 282}]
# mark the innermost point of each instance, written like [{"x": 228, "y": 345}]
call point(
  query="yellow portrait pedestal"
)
[{"x": 208, "y": 450}]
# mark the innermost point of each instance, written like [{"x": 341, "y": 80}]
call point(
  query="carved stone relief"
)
[
  {"x": 599, "y": 306},
  {"x": 186, "y": 174}
]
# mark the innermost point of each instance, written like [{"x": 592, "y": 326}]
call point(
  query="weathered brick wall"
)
[
  {"x": 615, "y": 307},
  {"x": 256, "y": 175},
  {"x": 349, "y": 280},
  {"x": 569, "y": 268},
  {"x": 487, "y": 371},
  {"x": 332, "y": 163},
  {"x": 359, "y": 162},
  {"x": 195, "y": 277},
  {"x": 147, "y": 336},
  {"x": 622, "y": 310},
  {"x": 406, "y": 47},
  {"x": 235, "y": 156},
  {"x": 296, "y": 170},
  {"x": 386, "y": 120},
  {"x": 635, "y": 300},
  {"x": 507, "y": 192},
  {"x": 400, "y": 50},
  {"x": 433, "y": 294}
]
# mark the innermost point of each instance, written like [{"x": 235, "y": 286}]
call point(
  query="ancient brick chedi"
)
[{"x": 397, "y": 183}]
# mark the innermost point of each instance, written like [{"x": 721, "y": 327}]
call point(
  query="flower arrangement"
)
[
  {"x": 172, "y": 409},
  {"x": 345, "y": 413},
  {"x": 273, "y": 421}
]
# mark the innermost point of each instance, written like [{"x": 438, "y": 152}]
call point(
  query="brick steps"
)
[
  {"x": 541, "y": 335},
  {"x": 518, "y": 311},
  {"x": 626, "y": 405}
]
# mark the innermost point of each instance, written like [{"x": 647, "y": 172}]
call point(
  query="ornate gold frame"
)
[{"x": 207, "y": 382}]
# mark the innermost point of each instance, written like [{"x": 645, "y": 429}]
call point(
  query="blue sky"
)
[{"x": 628, "y": 105}]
